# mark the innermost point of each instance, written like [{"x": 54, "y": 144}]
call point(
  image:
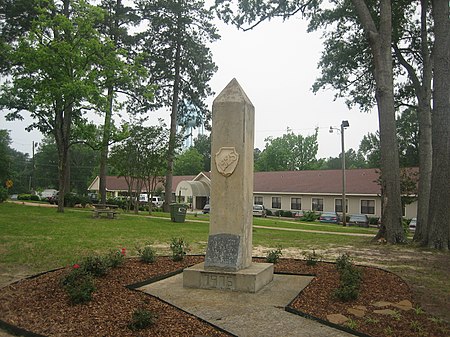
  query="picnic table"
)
[{"x": 109, "y": 210}]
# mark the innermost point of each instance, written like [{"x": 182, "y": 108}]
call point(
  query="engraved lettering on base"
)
[
  {"x": 226, "y": 160},
  {"x": 217, "y": 281}
]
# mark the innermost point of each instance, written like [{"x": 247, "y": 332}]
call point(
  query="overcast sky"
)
[{"x": 276, "y": 65}]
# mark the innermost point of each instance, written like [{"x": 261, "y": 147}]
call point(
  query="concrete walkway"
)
[{"x": 245, "y": 314}]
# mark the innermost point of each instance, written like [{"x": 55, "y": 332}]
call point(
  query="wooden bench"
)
[{"x": 110, "y": 213}]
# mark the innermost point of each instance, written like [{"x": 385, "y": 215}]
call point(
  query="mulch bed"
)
[{"x": 41, "y": 305}]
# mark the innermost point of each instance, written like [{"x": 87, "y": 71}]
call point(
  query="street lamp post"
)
[{"x": 344, "y": 125}]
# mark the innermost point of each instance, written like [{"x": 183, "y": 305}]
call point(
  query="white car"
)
[
  {"x": 412, "y": 224},
  {"x": 259, "y": 210}
]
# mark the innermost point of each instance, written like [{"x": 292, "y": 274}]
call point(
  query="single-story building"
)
[{"x": 317, "y": 190}]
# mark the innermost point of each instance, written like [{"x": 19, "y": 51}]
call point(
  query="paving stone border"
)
[{"x": 294, "y": 311}]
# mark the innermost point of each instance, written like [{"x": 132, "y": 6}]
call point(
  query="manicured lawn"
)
[
  {"x": 39, "y": 238},
  {"x": 35, "y": 239}
]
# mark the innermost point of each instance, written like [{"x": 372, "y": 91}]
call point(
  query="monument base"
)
[{"x": 250, "y": 279}]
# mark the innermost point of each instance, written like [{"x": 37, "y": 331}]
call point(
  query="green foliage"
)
[
  {"x": 95, "y": 265},
  {"x": 203, "y": 145},
  {"x": 5, "y": 157},
  {"x": 147, "y": 253},
  {"x": 115, "y": 258},
  {"x": 309, "y": 216},
  {"x": 189, "y": 162},
  {"x": 141, "y": 158},
  {"x": 352, "y": 324},
  {"x": 288, "y": 153},
  {"x": 3, "y": 194},
  {"x": 349, "y": 279},
  {"x": 141, "y": 319},
  {"x": 27, "y": 196},
  {"x": 179, "y": 248},
  {"x": 312, "y": 258},
  {"x": 274, "y": 255},
  {"x": 79, "y": 285},
  {"x": 71, "y": 199}
]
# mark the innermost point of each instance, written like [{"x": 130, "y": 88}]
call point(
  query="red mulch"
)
[{"x": 40, "y": 304}]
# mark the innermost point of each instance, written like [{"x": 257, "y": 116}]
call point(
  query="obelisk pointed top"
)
[{"x": 233, "y": 92}]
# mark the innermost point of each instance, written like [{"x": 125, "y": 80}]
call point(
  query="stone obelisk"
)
[{"x": 228, "y": 262}]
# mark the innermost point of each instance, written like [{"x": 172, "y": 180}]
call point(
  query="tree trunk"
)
[
  {"x": 173, "y": 120},
  {"x": 439, "y": 211},
  {"x": 380, "y": 44},
  {"x": 105, "y": 144},
  {"x": 422, "y": 90}
]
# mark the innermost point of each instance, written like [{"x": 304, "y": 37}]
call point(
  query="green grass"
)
[{"x": 39, "y": 238}]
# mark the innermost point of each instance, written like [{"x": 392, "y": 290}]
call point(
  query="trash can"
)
[{"x": 178, "y": 212}]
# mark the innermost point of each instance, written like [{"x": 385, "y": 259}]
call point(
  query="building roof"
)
[
  {"x": 358, "y": 181},
  {"x": 114, "y": 183}
]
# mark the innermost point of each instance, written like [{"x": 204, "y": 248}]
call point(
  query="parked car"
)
[
  {"x": 206, "y": 209},
  {"x": 47, "y": 193},
  {"x": 156, "y": 200},
  {"x": 330, "y": 217},
  {"x": 361, "y": 220},
  {"x": 259, "y": 210},
  {"x": 53, "y": 200},
  {"x": 412, "y": 224}
]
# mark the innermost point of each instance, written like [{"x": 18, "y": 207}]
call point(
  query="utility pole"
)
[{"x": 344, "y": 125}]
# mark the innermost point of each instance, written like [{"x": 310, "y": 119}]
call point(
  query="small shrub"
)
[
  {"x": 179, "y": 248},
  {"x": 373, "y": 220},
  {"x": 418, "y": 310},
  {"x": 115, "y": 258},
  {"x": 3, "y": 194},
  {"x": 269, "y": 212},
  {"x": 274, "y": 255},
  {"x": 287, "y": 214},
  {"x": 312, "y": 258},
  {"x": 79, "y": 285},
  {"x": 147, "y": 254},
  {"x": 278, "y": 213},
  {"x": 352, "y": 324},
  {"x": 349, "y": 279},
  {"x": 141, "y": 319},
  {"x": 416, "y": 326},
  {"x": 24, "y": 196},
  {"x": 34, "y": 197},
  {"x": 95, "y": 265},
  {"x": 309, "y": 216},
  {"x": 344, "y": 262}
]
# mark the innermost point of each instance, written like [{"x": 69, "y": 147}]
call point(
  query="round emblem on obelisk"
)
[{"x": 226, "y": 160}]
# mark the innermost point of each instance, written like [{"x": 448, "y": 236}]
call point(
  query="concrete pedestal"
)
[{"x": 250, "y": 279}]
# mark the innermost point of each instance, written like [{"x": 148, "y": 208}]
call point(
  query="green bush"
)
[
  {"x": 71, "y": 199},
  {"x": 34, "y": 197},
  {"x": 269, "y": 212},
  {"x": 344, "y": 262},
  {"x": 141, "y": 319},
  {"x": 115, "y": 258},
  {"x": 349, "y": 279},
  {"x": 147, "y": 254},
  {"x": 95, "y": 265},
  {"x": 287, "y": 214},
  {"x": 373, "y": 220},
  {"x": 309, "y": 216},
  {"x": 274, "y": 255},
  {"x": 3, "y": 194},
  {"x": 179, "y": 248},
  {"x": 312, "y": 258},
  {"x": 24, "y": 196},
  {"x": 79, "y": 285}
]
